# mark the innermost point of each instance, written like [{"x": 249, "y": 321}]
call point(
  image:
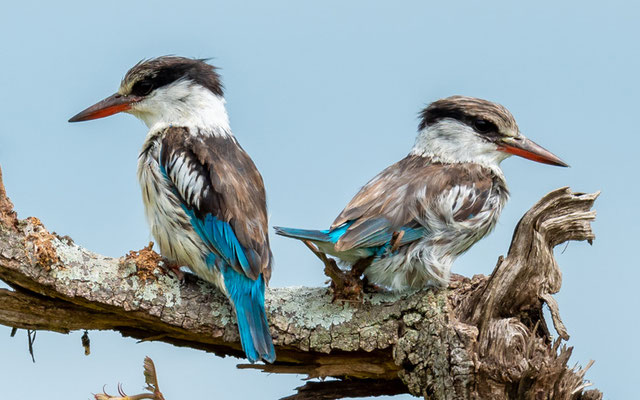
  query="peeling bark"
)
[{"x": 482, "y": 338}]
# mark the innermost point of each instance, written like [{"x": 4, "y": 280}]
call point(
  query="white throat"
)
[
  {"x": 451, "y": 141},
  {"x": 184, "y": 103}
]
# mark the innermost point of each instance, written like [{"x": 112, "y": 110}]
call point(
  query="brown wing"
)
[
  {"x": 216, "y": 177},
  {"x": 399, "y": 197}
]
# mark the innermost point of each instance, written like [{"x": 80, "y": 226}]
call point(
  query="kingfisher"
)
[
  {"x": 418, "y": 215},
  {"x": 203, "y": 195}
]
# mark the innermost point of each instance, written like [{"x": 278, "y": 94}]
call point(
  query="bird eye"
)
[
  {"x": 142, "y": 88},
  {"x": 483, "y": 126}
]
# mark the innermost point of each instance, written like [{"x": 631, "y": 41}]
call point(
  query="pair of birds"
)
[{"x": 206, "y": 205}]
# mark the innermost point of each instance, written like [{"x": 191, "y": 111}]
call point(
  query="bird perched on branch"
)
[
  {"x": 414, "y": 218},
  {"x": 204, "y": 197}
]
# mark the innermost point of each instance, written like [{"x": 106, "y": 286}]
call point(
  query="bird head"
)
[
  {"x": 467, "y": 129},
  {"x": 167, "y": 89}
]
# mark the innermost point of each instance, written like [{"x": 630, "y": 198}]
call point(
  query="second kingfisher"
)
[{"x": 415, "y": 217}]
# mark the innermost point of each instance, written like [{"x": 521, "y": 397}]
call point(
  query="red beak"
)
[
  {"x": 523, "y": 147},
  {"x": 109, "y": 106}
]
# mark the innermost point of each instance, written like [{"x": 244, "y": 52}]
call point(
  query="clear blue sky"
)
[{"x": 323, "y": 97}]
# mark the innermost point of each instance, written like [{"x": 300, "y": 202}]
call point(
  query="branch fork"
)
[{"x": 349, "y": 285}]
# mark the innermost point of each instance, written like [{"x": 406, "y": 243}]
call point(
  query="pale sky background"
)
[{"x": 322, "y": 97}]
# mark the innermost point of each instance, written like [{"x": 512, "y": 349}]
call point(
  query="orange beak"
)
[
  {"x": 523, "y": 147},
  {"x": 111, "y": 105}
]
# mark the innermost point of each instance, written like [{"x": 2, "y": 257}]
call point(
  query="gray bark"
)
[{"x": 482, "y": 338}]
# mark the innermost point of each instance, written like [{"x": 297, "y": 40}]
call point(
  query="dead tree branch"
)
[{"x": 483, "y": 338}]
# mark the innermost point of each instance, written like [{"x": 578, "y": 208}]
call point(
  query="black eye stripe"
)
[
  {"x": 469, "y": 110},
  {"x": 479, "y": 124},
  {"x": 150, "y": 75},
  {"x": 161, "y": 78}
]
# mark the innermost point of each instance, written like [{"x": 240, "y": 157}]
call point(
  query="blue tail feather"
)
[
  {"x": 326, "y": 236},
  {"x": 304, "y": 234},
  {"x": 247, "y": 297}
]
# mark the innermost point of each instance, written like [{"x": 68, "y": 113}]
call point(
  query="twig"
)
[
  {"x": 346, "y": 286},
  {"x": 331, "y": 269},
  {"x": 31, "y": 337},
  {"x": 151, "y": 379}
]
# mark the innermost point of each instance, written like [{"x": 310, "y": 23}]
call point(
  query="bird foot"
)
[
  {"x": 172, "y": 268},
  {"x": 372, "y": 288},
  {"x": 347, "y": 288}
]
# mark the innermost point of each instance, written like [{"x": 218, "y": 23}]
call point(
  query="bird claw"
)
[
  {"x": 172, "y": 268},
  {"x": 348, "y": 289},
  {"x": 369, "y": 287}
]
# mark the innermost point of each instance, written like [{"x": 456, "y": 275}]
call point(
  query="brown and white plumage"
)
[
  {"x": 443, "y": 197},
  {"x": 452, "y": 205},
  {"x": 209, "y": 175}
]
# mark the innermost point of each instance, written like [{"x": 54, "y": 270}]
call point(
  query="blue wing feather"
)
[
  {"x": 216, "y": 233},
  {"x": 378, "y": 232},
  {"x": 246, "y": 294},
  {"x": 371, "y": 234}
]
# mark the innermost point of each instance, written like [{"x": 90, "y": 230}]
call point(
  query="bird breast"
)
[
  {"x": 170, "y": 225},
  {"x": 428, "y": 262}
]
